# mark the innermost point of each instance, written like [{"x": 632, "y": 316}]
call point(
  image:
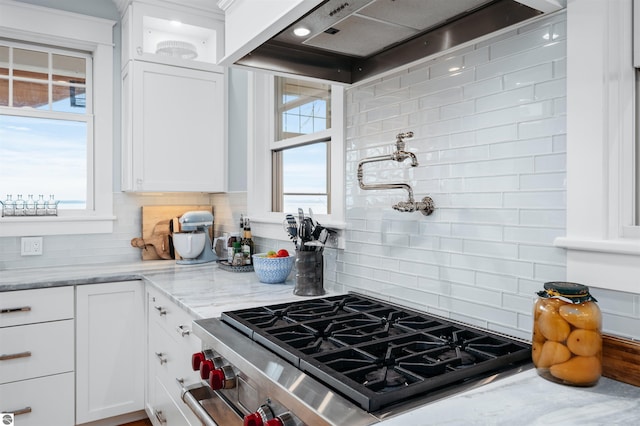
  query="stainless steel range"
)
[{"x": 347, "y": 359}]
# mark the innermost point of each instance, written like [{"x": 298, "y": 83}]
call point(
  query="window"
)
[
  {"x": 45, "y": 122},
  {"x": 56, "y": 81},
  {"x": 296, "y": 152},
  {"x": 301, "y": 170}
]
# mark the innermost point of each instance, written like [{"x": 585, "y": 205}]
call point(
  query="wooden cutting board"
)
[{"x": 155, "y": 228}]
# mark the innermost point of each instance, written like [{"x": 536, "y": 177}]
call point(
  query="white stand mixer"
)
[{"x": 193, "y": 243}]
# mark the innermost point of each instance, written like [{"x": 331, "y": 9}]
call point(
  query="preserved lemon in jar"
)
[{"x": 567, "y": 334}]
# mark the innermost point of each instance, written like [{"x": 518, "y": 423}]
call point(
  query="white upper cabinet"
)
[
  {"x": 173, "y": 99},
  {"x": 172, "y": 35},
  {"x": 249, "y": 23},
  {"x": 173, "y": 129}
]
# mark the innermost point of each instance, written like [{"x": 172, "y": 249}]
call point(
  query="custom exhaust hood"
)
[{"x": 353, "y": 40}]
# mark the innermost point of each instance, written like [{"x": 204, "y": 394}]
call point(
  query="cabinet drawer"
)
[
  {"x": 164, "y": 411},
  {"x": 35, "y": 350},
  {"x": 50, "y": 400},
  {"x": 176, "y": 321},
  {"x": 171, "y": 360},
  {"x": 39, "y": 305}
]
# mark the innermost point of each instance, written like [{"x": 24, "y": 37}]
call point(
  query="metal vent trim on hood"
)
[{"x": 318, "y": 56}]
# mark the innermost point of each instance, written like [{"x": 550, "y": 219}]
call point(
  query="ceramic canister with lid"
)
[{"x": 567, "y": 334}]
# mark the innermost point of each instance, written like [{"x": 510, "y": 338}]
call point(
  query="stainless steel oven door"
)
[{"x": 209, "y": 407}]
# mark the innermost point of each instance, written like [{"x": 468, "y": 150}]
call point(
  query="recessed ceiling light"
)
[
  {"x": 176, "y": 23},
  {"x": 301, "y": 31}
]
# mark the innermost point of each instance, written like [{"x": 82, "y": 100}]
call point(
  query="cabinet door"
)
[
  {"x": 110, "y": 350},
  {"x": 177, "y": 128}
]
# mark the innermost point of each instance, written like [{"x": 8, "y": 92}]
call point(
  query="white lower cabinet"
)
[
  {"x": 37, "y": 356},
  {"x": 110, "y": 347},
  {"x": 170, "y": 346},
  {"x": 45, "y": 400}
]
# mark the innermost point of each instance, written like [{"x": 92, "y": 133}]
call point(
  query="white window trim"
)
[
  {"x": 38, "y": 24},
  {"x": 603, "y": 249},
  {"x": 265, "y": 223}
]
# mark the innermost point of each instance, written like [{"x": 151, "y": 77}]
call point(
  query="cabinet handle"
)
[
  {"x": 12, "y": 310},
  {"x": 183, "y": 330},
  {"x": 25, "y": 410},
  {"x": 161, "y": 358},
  {"x": 160, "y": 416},
  {"x": 5, "y": 357},
  {"x": 161, "y": 310}
]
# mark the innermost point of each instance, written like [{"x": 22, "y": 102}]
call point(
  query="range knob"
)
[
  {"x": 260, "y": 417},
  {"x": 222, "y": 378},
  {"x": 208, "y": 365},
  {"x": 198, "y": 358},
  {"x": 284, "y": 419}
]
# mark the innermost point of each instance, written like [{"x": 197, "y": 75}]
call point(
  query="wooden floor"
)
[{"x": 144, "y": 422}]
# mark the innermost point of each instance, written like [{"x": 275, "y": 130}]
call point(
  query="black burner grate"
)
[{"x": 375, "y": 353}]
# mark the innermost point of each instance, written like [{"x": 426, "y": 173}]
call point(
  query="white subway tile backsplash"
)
[
  {"x": 506, "y": 133},
  {"x": 493, "y": 167},
  {"x": 506, "y": 98},
  {"x": 533, "y": 235},
  {"x": 541, "y": 217},
  {"x": 475, "y": 231},
  {"x": 542, "y": 254},
  {"x": 546, "y": 272},
  {"x": 503, "y": 250},
  {"x": 524, "y": 41},
  {"x": 493, "y": 265},
  {"x": 491, "y": 142},
  {"x": 497, "y": 282},
  {"x": 521, "y": 148},
  {"x": 543, "y": 181},
  {"x": 538, "y": 199},
  {"x": 547, "y": 127}
]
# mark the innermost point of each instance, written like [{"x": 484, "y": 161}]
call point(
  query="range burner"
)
[{"x": 375, "y": 353}]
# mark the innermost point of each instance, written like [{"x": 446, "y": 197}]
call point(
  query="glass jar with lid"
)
[{"x": 567, "y": 334}]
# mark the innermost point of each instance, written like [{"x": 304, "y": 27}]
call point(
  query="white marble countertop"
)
[
  {"x": 206, "y": 291},
  {"x": 527, "y": 399},
  {"x": 202, "y": 290}
]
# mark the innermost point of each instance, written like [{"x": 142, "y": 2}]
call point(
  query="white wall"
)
[{"x": 490, "y": 135}]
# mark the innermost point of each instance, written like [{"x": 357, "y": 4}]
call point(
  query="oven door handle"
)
[
  {"x": 211, "y": 408},
  {"x": 193, "y": 402}
]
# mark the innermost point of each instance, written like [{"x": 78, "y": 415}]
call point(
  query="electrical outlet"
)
[{"x": 31, "y": 246}]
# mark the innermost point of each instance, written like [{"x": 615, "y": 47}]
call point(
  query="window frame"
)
[
  {"x": 261, "y": 137},
  {"x": 602, "y": 241},
  {"x": 40, "y": 25}
]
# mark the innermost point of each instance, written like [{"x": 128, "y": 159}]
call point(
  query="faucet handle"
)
[
  {"x": 400, "y": 140},
  {"x": 426, "y": 206}
]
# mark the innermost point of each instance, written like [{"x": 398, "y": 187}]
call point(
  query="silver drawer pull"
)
[
  {"x": 5, "y": 357},
  {"x": 12, "y": 310},
  {"x": 161, "y": 358},
  {"x": 160, "y": 416},
  {"x": 25, "y": 410},
  {"x": 183, "y": 330},
  {"x": 161, "y": 310}
]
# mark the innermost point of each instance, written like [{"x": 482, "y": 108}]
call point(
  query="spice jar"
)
[{"x": 567, "y": 334}]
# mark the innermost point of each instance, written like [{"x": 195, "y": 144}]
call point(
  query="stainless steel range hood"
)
[{"x": 353, "y": 40}]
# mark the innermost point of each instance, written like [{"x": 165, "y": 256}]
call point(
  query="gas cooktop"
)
[{"x": 376, "y": 353}]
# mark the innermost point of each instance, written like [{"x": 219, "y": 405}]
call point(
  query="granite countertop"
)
[{"x": 206, "y": 291}]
